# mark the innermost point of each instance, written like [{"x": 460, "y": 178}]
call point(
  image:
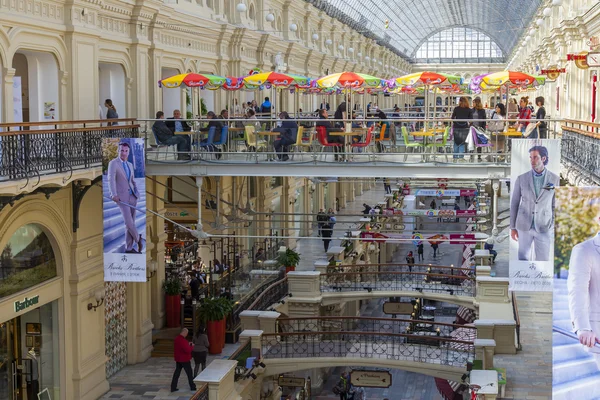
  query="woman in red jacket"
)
[{"x": 183, "y": 356}]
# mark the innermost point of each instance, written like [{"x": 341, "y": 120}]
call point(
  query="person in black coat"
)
[
  {"x": 289, "y": 130},
  {"x": 330, "y": 138},
  {"x": 165, "y": 136},
  {"x": 420, "y": 251},
  {"x": 326, "y": 233},
  {"x": 461, "y": 128},
  {"x": 177, "y": 126},
  {"x": 540, "y": 115}
]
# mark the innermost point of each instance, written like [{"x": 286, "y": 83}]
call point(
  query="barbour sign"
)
[{"x": 26, "y": 303}]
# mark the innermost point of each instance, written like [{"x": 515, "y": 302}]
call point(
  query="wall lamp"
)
[
  {"x": 99, "y": 295},
  {"x": 151, "y": 271}
]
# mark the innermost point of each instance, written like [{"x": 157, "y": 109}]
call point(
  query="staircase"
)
[
  {"x": 162, "y": 348},
  {"x": 575, "y": 375},
  {"x": 114, "y": 228}
]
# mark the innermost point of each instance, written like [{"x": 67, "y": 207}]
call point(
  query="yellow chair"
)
[
  {"x": 252, "y": 142},
  {"x": 300, "y": 143}
]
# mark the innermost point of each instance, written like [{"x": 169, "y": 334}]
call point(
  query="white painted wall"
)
[
  {"x": 112, "y": 86},
  {"x": 171, "y": 98}
]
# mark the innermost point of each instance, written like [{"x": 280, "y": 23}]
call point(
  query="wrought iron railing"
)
[
  {"x": 234, "y": 319},
  {"x": 373, "y": 345},
  {"x": 241, "y": 355},
  {"x": 201, "y": 393},
  {"x": 398, "y": 281},
  {"x": 26, "y": 154},
  {"x": 270, "y": 295},
  {"x": 580, "y": 147},
  {"x": 399, "y": 267},
  {"x": 369, "y": 324}
]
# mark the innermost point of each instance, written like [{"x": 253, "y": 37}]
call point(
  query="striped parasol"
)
[{"x": 466, "y": 334}]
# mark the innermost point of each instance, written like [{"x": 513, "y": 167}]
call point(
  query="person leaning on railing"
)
[{"x": 165, "y": 136}]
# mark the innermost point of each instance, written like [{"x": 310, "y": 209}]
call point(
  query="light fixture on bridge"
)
[
  {"x": 241, "y": 7},
  {"x": 437, "y": 331},
  {"x": 451, "y": 291},
  {"x": 418, "y": 289}
]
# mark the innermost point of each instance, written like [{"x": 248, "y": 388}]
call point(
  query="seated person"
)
[
  {"x": 330, "y": 138},
  {"x": 251, "y": 120},
  {"x": 490, "y": 247},
  {"x": 177, "y": 126},
  {"x": 355, "y": 125},
  {"x": 260, "y": 255},
  {"x": 165, "y": 136},
  {"x": 383, "y": 122},
  {"x": 218, "y": 128},
  {"x": 288, "y": 129}
]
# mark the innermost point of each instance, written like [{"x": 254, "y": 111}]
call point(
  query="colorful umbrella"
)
[
  {"x": 233, "y": 83},
  {"x": 500, "y": 78},
  {"x": 428, "y": 79},
  {"x": 349, "y": 80},
  {"x": 440, "y": 238},
  {"x": 276, "y": 79},
  {"x": 193, "y": 80}
]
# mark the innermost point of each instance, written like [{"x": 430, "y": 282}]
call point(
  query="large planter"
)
[
  {"x": 173, "y": 310},
  {"x": 216, "y": 336},
  {"x": 289, "y": 269},
  {"x": 223, "y": 323}
]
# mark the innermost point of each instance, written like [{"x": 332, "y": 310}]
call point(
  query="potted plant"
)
[
  {"x": 172, "y": 287},
  {"x": 212, "y": 313},
  {"x": 289, "y": 260}
]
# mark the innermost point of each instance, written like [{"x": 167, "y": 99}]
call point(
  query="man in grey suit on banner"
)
[
  {"x": 584, "y": 295},
  {"x": 124, "y": 192},
  {"x": 532, "y": 208}
]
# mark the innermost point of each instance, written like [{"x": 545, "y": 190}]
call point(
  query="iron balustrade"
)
[
  {"x": 580, "y": 147},
  {"x": 398, "y": 281},
  {"x": 201, "y": 393},
  {"x": 32, "y": 153},
  {"x": 398, "y": 267},
  {"x": 270, "y": 295},
  {"x": 370, "y": 324},
  {"x": 373, "y": 345},
  {"x": 234, "y": 319}
]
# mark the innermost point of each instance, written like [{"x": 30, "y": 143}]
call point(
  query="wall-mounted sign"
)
[
  {"x": 26, "y": 303},
  {"x": 575, "y": 57},
  {"x": 375, "y": 379},
  {"x": 593, "y": 60},
  {"x": 594, "y": 43},
  {"x": 553, "y": 72},
  {"x": 290, "y": 381},
  {"x": 582, "y": 63},
  {"x": 398, "y": 308}
]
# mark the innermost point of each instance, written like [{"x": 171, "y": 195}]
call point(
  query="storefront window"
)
[{"x": 26, "y": 260}]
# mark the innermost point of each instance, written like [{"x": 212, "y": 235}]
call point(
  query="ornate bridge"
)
[{"x": 431, "y": 355}]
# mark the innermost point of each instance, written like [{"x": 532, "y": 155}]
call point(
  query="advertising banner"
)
[
  {"x": 535, "y": 171},
  {"x": 124, "y": 210}
]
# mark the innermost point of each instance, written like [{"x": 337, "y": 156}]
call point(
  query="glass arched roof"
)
[{"x": 411, "y": 22}]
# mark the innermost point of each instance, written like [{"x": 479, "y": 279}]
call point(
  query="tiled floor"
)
[{"x": 529, "y": 372}]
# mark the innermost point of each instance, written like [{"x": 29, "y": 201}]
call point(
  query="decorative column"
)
[
  {"x": 156, "y": 250},
  {"x": 7, "y": 102}
]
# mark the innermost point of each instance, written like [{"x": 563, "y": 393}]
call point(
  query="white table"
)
[{"x": 335, "y": 250}]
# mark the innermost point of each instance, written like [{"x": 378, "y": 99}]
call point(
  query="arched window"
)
[
  {"x": 459, "y": 45},
  {"x": 251, "y": 12},
  {"x": 26, "y": 260}
]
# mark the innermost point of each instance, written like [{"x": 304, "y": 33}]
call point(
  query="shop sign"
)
[
  {"x": 553, "y": 72},
  {"x": 576, "y": 57},
  {"x": 179, "y": 215},
  {"x": 594, "y": 43},
  {"x": 398, "y": 308},
  {"x": 287, "y": 381},
  {"x": 374, "y": 379},
  {"x": 465, "y": 238},
  {"x": 26, "y": 303}
]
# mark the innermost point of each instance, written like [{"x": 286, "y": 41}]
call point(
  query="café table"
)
[
  {"x": 511, "y": 133},
  {"x": 425, "y": 135},
  {"x": 270, "y": 148},
  {"x": 346, "y": 135}
]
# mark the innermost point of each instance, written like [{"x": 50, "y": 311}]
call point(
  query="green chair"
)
[
  {"x": 408, "y": 144},
  {"x": 443, "y": 144}
]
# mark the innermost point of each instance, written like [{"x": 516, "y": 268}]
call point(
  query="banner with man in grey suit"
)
[
  {"x": 535, "y": 168},
  {"x": 124, "y": 210}
]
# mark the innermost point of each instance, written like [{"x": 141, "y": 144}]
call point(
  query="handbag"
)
[{"x": 529, "y": 129}]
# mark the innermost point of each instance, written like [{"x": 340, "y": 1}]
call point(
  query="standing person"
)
[
  {"x": 124, "y": 191},
  {"x": 540, "y": 116},
  {"x": 111, "y": 112},
  {"x": 183, "y": 356},
  {"x": 195, "y": 286},
  {"x": 461, "y": 128},
  {"x": 434, "y": 246},
  {"x": 341, "y": 113},
  {"x": 420, "y": 251},
  {"x": 532, "y": 208},
  {"x": 200, "y": 350},
  {"x": 582, "y": 285},
  {"x": 478, "y": 113},
  {"x": 387, "y": 186},
  {"x": 456, "y": 208},
  {"x": 321, "y": 220},
  {"x": 432, "y": 205},
  {"x": 343, "y": 386},
  {"x": 326, "y": 233},
  {"x": 410, "y": 260},
  {"x": 288, "y": 129},
  {"x": 265, "y": 107},
  {"x": 524, "y": 117}
]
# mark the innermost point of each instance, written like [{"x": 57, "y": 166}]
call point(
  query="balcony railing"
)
[
  {"x": 270, "y": 295},
  {"x": 398, "y": 281},
  {"x": 30, "y": 150},
  {"x": 373, "y": 345},
  {"x": 580, "y": 148},
  {"x": 370, "y": 324},
  {"x": 399, "y": 267}
]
